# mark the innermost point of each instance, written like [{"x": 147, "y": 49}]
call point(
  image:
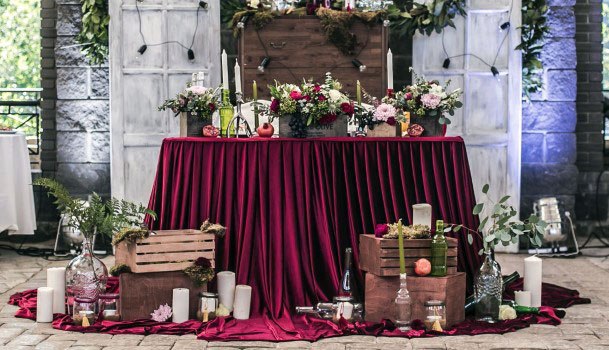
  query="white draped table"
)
[{"x": 17, "y": 213}]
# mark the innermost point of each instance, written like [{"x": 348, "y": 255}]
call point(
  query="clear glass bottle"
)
[
  {"x": 488, "y": 287},
  {"x": 86, "y": 276},
  {"x": 439, "y": 248},
  {"x": 403, "y": 306},
  {"x": 346, "y": 282}
]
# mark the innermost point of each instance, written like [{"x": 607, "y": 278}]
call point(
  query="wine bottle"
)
[
  {"x": 470, "y": 301},
  {"x": 346, "y": 282},
  {"x": 439, "y": 248}
]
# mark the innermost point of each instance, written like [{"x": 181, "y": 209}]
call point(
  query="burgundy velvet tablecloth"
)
[{"x": 292, "y": 206}]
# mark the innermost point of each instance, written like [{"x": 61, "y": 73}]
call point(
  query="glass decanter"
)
[
  {"x": 403, "y": 306},
  {"x": 488, "y": 290},
  {"x": 86, "y": 276}
]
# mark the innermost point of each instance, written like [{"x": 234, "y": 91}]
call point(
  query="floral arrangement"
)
[
  {"x": 410, "y": 232},
  {"x": 130, "y": 234},
  {"x": 197, "y": 100},
  {"x": 162, "y": 314},
  {"x": 429, "y": 98},
  {"x": 309, "y": 104},
  {"x": 214, "y": 229},
  {"x": 201, "y": 271}
]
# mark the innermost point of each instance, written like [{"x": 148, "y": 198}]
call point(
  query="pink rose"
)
[
  {"x": 274, "y": 105},
  {"x": 431, "y": 101},
  {"x": 317, "y": 88},
  {"x": 295, "y": 95},
  {"x": 408, "y": 96},
  {"x": 380, "y": 230}
]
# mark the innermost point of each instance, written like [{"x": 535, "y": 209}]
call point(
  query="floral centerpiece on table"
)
[
  {"x": 310, "y": 104},
  {"x": 195, "y": 100}
]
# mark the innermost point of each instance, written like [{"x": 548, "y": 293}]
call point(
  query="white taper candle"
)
[
  {"x": 389, "y": 69},
  {"x": 237, "y": 77},
  {"x": 224, "y": 70}
]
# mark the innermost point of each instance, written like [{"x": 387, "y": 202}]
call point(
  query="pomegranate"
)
[
  {"x": 265, "y": 130},
  {"x": 422, "y": 267}
]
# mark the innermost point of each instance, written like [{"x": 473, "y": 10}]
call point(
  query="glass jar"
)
[
  {"x": 85, "y": 311},
  {"x": 436, "y": 315},
  {"x": 86, "y": 276},
  {"x": 208, "y": 302},
  {"x": 108, "y": 306}
]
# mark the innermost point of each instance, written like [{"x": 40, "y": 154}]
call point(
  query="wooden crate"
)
[
  {"x": 171, "y": 250},
  {"x": 337, "y": 129},
  {"x": 142, "y": 293},
  {"x": 380, "y": 293},
  {"x": 298, "y": 48},
  {"x": 381, "y": 256}
]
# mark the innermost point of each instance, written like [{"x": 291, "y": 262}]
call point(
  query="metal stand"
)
[{"x": 238, "y": 120}]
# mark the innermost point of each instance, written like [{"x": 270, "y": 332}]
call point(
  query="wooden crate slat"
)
[
  {"x": 413, "y": 243},
  {"x": 395, "y": 262},
  {"x": 178, "y": 232},
  {"x": 395, "y": 271},
  {"x": 162, "y": 267},
  {"x": 175, "y": 247},
  {"x": 174, "y": 239},
  {"x": 168, "y": 257},
  {"x": 422, "y": 252}
]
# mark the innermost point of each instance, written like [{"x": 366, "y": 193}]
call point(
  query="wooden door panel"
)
[{"x": 140, "y": 112}]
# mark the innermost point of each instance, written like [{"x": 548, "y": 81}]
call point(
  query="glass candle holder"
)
[
  {"x": 108, "y": 306},
  {"x": 436, "y": 315},
  {"x": 208, "y": 302},
  {"x": 85, "y": 312}
]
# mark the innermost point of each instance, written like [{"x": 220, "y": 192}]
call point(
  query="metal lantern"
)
[{"x": 559, "y": 236}]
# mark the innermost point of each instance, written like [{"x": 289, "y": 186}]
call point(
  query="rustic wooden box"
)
[
  {"x": 170, "y": 250},
  {"x": 337, "y": 129},
  {"x": 142, "y": 293},
  {"x": 298, "y": 48},
  {"x": 381, "y": 256},
  {"x": 380, "y": 293}
]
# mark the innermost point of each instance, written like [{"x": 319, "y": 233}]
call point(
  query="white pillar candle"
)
[
  {"x": 226, "y": 288},
  {"x": 56, "y": 279},
  {"x": 237, "y": 77},
  {"x": 243, "y": 299},
  {"x": 44, "y": 305},
  {"x": 179, "y": 305},
  {"x": 421, "y": 214},
  {"x": 522, "y": 297},
  {"x": 389, "y": 69},
  {"x": 224, "y": 70},
  {"x": 532, "y": 279}
]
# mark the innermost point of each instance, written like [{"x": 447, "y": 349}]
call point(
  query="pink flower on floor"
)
[
  {"x": 162, "y": 314},
  {"x": 384, "y": 112},
  {"x": 430, "y": 101}
]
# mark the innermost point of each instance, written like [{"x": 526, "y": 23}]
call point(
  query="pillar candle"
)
[
  {"x": 56, "y": 279},
  {"x": 532, "y": 279},
  {"x": 523, "y": 297},
  {"x": 237, "y": 77},
  {"x": 421, "y": 214},
  {"x": 179, "y": 305},
  {"x": 389, "y": 69},
  {"x": 243, "y": 299},
  {"x": 401, "y": 247},
  {"x": 226, "y": 288},
  {"x": 44, "y": 305},
  {"x": 224, "y": 70}
]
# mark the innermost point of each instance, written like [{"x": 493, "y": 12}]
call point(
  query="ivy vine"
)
[
  {"x": 94, "y": 32},
  {"x": 533, "y": 31}
]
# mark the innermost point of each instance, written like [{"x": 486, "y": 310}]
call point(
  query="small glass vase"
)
[
  {"x": 86, "y": 276},
  {"x": 403, "y": 308},
  {"x": 488, "y": 289}
]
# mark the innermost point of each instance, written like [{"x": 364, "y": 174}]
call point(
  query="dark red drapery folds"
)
[{"x": 291, "y": 206}]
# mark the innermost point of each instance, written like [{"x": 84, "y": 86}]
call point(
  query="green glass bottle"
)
[
  {"x": 439, "y": 247},
  {"x": 226, "y": 112}
]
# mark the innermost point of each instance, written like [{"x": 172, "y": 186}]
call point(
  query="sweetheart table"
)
[{"x": 292, "y": 206}]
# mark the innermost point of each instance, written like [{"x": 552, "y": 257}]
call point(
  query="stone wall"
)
[{"x": 549, "y": 147}]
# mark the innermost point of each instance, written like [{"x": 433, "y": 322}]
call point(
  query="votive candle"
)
[
  {"x": 44, "y": 305},
  {"x": 532, "y": 279},
  {"x": 243, "y": 300},
  {"x": 179, "y": 305},
  {"x": 56, "y": 279}
]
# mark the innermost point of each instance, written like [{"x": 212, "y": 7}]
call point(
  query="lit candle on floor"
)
[
  {"x": 243, "y": 299},
  {"x": 179, "y": 305},
  {"x": 56, "y": 279},
  {"x": 44, "y": 305},
  {"x": 532, "y": 279}
]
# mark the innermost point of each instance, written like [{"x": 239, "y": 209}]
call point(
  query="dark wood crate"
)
[
  {"x": 298, "y": 48},
  {"x": 142, "y": 293},
  {"x": 380, "y": 294},
  {"x": 337, "y": 129},
  {"x": 381, "y": 256}
]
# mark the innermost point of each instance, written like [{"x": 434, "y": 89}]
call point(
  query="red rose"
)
[
  {"x": 295, "y": 95},
  {"x": 347, "y": 108},
  {"x": 274, "y": 105},
  {"x": 408, "y": 96},
  {"x": 317, "y": 88},
  {"x": 391, "y": 121},
  {"x": 321, "y": 98},
  {"x": 381, "y": 230},
  {"x": 203, "y": 262},
  {"x": 212, "y": 107},
  {"x": 327, "y": 119},
  {"x": 307, "y": 98}
]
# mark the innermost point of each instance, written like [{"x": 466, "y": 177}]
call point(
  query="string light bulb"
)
[
  {"x": 191, "y": 54},
  {"x": 504, "y": 26},
  {"x": 495, "y": 72},
  {"x": 203, "y": 4},
  {"x": 359, "y": 65},
  {"x": 263, "y": 64},
  {"x": 446, "y": 63}
]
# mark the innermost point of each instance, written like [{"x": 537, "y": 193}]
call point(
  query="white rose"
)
[
  {"x": 335, "y": 95},
  {"x": 254, "y": 3},
  {"x": 437, "y": 90},
  {"x": 506, "y": 312}
]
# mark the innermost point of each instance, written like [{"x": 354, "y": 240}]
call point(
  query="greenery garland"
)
[
  {"x": 94, "y": 31},
  {"x": 533, "y": 31},
  {"x": 425, "y": 18}
]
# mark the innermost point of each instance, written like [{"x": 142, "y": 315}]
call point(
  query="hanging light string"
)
[
  {"x": 189, "y": 51},
  {"x": 506, "y": 26}
]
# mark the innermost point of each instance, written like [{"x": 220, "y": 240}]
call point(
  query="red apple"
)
[
  {"x": 265, "y": 130},
  {"x": 422, "y": 267}
]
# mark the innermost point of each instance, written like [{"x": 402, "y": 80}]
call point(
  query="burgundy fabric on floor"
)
[
  {"x": 297, "y": 327},
  {"x": 551, "y": 295},
  {"x": 292, "y": 206}
]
